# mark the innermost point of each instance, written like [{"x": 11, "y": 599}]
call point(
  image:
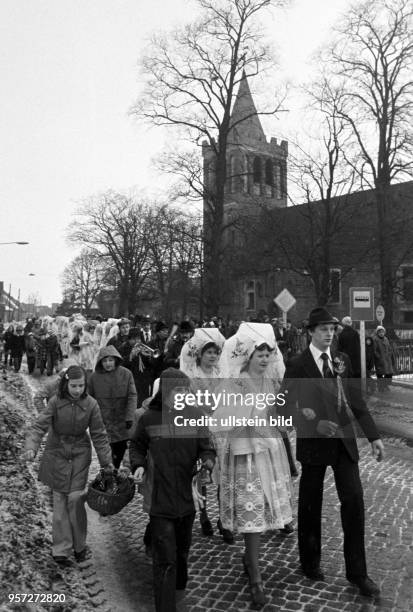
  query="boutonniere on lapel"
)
[{"x": 339, "y": 366}]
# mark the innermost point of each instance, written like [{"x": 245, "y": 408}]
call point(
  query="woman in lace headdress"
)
[
  {"x": 254, "y": 471},
  {"x": 199, "y": 360},
  {"x": 82, "y": 349}
]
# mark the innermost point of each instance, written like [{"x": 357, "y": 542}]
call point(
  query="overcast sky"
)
[{"x": 69, "y": 75}]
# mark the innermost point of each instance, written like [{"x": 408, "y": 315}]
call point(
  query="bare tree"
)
[
  {"x": 176, "y": 248},
  {"x": 192, "y": 78},
  {"x": 33, "y": 302},
  {"x": 83, "y": 280},
  {"x": 370, "y": 65},
  {"x": 116, "y": 228}
]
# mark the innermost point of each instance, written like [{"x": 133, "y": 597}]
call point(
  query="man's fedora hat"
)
[{"x": 319, "y": 316}]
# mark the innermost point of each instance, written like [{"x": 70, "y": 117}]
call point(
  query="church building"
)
[{"x": 257, "y": 182}]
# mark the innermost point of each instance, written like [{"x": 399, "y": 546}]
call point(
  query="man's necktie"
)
[
  {"x": 330, "y": 388},
  {"x": 327, "y": 373}
]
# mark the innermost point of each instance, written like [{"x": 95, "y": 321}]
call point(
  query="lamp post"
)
[
  {"x": 16, "y": 242},
  {"x": 32, "y": 274}
]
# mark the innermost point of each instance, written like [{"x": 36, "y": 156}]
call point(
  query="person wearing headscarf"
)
[
  {"x": 82, "y": 349},
  {"x": 199, "y": 360},
  {"x": 253, "y": 466}
]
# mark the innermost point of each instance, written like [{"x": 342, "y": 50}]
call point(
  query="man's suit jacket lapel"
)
[
  {"x": 309, "y": 365},
  {"x": 327, "y": 387}
]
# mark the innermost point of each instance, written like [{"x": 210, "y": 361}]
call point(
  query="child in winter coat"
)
[
  {"x": 8, "y": 339},
  {"x": 168, "y": 459},
  {"x": 65, "y": 463},
  {"x": 112, "y": 386},
  {"x": 17, "y": 348}
]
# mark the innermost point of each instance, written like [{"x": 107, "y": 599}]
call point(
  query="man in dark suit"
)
[
  {"x": 146, "y": 335},
  {"x": 319, "y": 391},
  {"x": 349, "y": 343}
]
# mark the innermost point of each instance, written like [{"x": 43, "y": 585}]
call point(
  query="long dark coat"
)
[
  {"x": 383, "y": 356},
  {"x": 349, "y": 343}
]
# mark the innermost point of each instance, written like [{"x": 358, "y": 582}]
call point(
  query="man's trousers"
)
[
  {"x": 350, "y": 493},
  {"x": 171, "y": 541}
]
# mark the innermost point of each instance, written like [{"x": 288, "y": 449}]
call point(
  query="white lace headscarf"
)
[
  {"x": 239, "y": 348},
  {"x": 192, "y": 349}
]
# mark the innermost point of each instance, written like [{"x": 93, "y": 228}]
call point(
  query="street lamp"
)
[{"x": 16, "y": 242}]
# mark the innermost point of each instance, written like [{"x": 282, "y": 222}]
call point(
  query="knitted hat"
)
[{"x": 123, "y": 321}]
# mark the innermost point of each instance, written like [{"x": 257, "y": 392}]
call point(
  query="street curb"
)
[
  {"x": 390, "y": 428},
  {"x": 402, "y": 383}
]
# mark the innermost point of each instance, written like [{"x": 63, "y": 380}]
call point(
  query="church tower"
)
[
  {"x": 256, "y": 168},
  {"x": 256, "y": 178}
]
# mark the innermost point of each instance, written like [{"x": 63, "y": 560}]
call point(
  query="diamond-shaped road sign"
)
[{"x": 285, "y": 300}]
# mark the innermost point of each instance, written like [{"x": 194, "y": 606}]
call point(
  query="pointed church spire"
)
[{"x": 248, "y": 128}]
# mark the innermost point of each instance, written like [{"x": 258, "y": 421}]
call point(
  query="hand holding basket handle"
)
[{"x": 109, "y": 492}]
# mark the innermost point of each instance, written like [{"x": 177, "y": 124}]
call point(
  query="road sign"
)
[
  {"x": 380, "y": 312},
  {"x": 285, "y": 300},
  {"x": 362, "y": 303}
]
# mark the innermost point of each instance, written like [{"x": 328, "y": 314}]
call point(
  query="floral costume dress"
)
[{"x": 254, "y": 474}]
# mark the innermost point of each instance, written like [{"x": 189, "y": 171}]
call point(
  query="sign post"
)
[
  {"x": 362, "y": 309},
  {"x": 285, "y": 300}
]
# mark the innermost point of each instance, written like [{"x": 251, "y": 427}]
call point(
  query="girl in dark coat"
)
[
  {"x": 65, "y": 463},
  {"x": 112, "y": 386}
]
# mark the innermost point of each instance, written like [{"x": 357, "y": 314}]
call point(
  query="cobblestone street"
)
[
  {"x": 118, "y": 577},
  {"x": 217, "y": 582}
]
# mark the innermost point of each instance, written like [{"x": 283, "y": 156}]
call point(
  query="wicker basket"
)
[{"x": 108, "y": 495}]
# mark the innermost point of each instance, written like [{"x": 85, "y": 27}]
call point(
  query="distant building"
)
[{"x": 256, "y": 193}]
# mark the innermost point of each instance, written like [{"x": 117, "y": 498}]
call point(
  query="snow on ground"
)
[{"x": 26, "y": 564}]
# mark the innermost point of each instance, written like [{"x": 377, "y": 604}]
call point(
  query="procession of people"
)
[{"x": 122, "y": 386}]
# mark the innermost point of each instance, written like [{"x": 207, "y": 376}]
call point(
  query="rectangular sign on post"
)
[
  {"x": 362, "y": 303},
  {"x": 362, "y": 309}
]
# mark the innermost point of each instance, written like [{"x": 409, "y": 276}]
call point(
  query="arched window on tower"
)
[
  {"x": 257, "y": 175},
  {"x": 269, "y": 178}
]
